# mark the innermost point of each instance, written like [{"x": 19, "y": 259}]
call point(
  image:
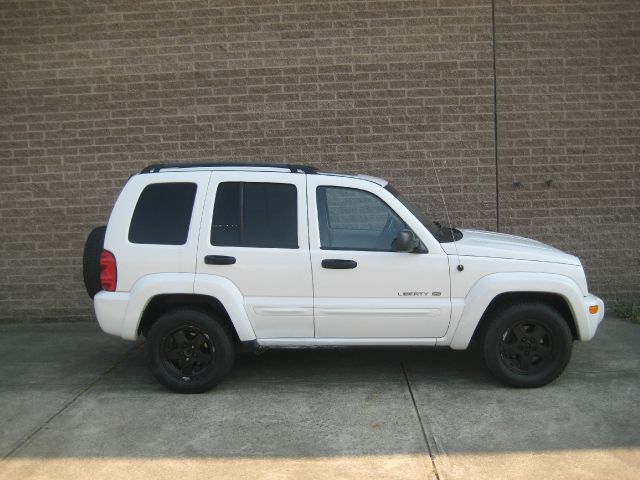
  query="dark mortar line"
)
[
  {"x": 495, "y": 111},
  {"x": 68, "y": 404},
  {"x": 422, "y": 429}
]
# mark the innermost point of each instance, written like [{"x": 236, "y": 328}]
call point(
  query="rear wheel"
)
[
  {"x": 189, "y": 351},
  {"x": 527, "y": 345}
]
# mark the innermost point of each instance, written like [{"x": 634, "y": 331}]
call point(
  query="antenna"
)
[{"x": 446, "y": 211}]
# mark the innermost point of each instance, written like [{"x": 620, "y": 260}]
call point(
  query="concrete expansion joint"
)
[
  {"x": 64, "y": 407},
  {"x": 425, "y": 436}
]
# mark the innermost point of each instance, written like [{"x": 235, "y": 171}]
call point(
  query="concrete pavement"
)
[{"x": 77, "y": 403}]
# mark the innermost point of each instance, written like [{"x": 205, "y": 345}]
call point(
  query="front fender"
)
[{"x": 490, "y": 286}]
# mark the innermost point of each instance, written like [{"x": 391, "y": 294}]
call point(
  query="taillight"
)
[{"x": 108, "y": 271}]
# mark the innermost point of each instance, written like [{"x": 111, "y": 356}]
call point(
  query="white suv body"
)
[{"x": 336, "y": 280}]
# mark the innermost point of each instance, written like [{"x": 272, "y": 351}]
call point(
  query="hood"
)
[{"x": 477, "y": 243}]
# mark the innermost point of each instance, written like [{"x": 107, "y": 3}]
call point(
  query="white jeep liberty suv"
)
[{"x": 208, "y": 259}]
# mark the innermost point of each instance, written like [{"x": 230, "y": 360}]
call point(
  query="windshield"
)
[{"x": 426, "y": 221}]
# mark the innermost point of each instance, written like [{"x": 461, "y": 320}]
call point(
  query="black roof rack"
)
[{"x": 292, "y": 168}]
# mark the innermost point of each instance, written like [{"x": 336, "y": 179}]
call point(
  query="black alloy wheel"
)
[
  {"x": 526, "y": 344},
  {"x": 190, "y": 350},
  {"x": 527, "y": 347}
]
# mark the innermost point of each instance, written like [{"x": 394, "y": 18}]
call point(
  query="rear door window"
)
[{"x": 251, "y": 214}]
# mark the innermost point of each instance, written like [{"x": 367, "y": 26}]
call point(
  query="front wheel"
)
[
  {"x": 189, "y": 351},
  {"x": 527, "y": 345}
]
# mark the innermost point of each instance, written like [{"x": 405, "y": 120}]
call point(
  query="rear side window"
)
[
  {"x": 248, "y": 214},
  {"x": 163, "y": 214}
]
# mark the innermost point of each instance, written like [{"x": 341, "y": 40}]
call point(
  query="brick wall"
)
[
  {"x": 91, "y": 91},
  {"x": 568, "y": 101}
]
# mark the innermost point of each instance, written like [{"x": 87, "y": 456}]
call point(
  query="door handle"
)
[
  {"x": 219, "y": 260},
  {"x": 339, "y": 264}
]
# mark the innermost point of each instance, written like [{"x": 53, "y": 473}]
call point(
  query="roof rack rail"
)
[{"x": 292, "y": 168}]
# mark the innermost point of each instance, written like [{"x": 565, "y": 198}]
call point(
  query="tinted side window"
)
[
  {"x": 353, "y": 219},
  {"x": 163, "y": 214},
  {"x": 250, "y": 214}
]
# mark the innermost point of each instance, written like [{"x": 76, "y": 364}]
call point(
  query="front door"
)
[{"x": 362, "y": 287}]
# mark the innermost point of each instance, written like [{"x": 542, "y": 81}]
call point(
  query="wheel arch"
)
[
  {"x": 493, "y": 290},
  {"x": 162, "y": 303},
  {"x": 153, "y": 293},
  {"x": 554, "y": 300}
]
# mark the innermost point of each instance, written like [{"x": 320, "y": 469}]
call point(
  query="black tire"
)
[
  {"x": 189, "y": 350},
  {"x": 91, "y": 260},
  {"x": 527, "y": 345}
]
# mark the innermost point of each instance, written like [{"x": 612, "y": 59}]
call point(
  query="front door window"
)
[{"x": 351, "y": 219}]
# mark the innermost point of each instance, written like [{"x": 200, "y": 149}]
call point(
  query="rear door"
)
[{"x": 254, "y": 233}]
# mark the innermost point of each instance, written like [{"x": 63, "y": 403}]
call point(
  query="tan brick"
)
[{"x": 92, "y": 93}]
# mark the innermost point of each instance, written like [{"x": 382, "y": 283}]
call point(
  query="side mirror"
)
[{"x": 406, "y": 241}]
